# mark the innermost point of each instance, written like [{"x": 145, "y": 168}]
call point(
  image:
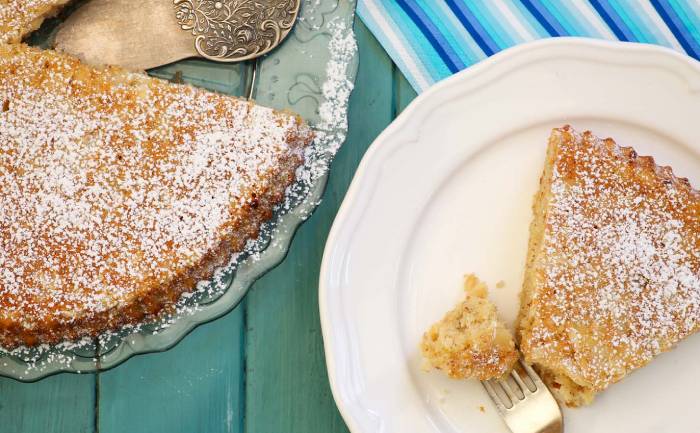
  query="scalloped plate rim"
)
[{"x": 341, "y": 350}]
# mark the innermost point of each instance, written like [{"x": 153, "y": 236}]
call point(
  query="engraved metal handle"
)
[{"x": 235, "y": 30}]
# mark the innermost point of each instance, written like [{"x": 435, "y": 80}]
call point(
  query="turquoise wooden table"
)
[{"x": 261, "y": 367}]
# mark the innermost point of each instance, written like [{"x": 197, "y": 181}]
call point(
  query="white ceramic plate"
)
[{"x": 447, "y": 189}]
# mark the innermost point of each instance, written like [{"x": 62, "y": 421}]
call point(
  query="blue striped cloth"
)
[{"x": 432, "y": 39}]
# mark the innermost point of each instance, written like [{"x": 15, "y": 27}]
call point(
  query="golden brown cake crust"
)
[
  {"x": 470, "y": 341},
  {"x": 121, "y": 191},
  {"x": 18, "y": 18},
  {"x": 613, "y": 271}
]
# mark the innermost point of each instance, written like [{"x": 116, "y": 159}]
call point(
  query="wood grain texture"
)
[
  {"x": 404, "y": 93},
  {"x": 57, "y": 404},
  {"x": 197, "y": 386},
  {"x": 288, "y": 388}
]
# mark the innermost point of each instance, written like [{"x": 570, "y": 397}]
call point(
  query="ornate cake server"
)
[{"x": 149, "y": 33}]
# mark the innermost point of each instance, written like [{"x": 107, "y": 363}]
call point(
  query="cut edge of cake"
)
[{"x": 566, "y": 390}]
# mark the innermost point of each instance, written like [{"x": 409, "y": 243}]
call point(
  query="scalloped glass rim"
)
[{"x": 269, "y": 250}]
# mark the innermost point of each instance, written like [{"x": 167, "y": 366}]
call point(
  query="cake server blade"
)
[{"x": 134, "y": 34}]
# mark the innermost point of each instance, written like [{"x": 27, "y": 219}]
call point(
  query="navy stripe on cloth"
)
[
  {"x": 548, "y": 25},
  {"x": 475, "y": 29},
  {"x": 609, "y": 20},
  {"x": 671, "y": 19},
  {"x": 431, "y": 33}
]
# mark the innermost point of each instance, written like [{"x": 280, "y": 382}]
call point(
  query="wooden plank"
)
[
  {"x": 197, "y": 386},
  {"x": 57, "y": 404},
  {"x": 404, "y": 93},
  {"x": 287, "y": 383}
]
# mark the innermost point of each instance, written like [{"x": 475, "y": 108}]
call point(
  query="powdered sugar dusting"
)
[
  {"x": 336, "y": 90},
  {"x": 330, "y": 133},
  {"x": 19, "y": 17},
  {"x": 621, "y": 262},
  {"x": 114, "y": 189}
]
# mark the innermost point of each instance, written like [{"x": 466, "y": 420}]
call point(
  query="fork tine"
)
[
  {"x": 521, "y": 383},
  {"x": 534, "y": 377},
  {"x": 537, "y": 411},
  {"x": 494, "y": 396},
  {"x": 514, "y": 399}
]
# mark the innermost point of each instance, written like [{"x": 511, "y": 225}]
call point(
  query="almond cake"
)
[
  {"x": 613, "y": 267},
  {"x": 120, "y": 191}
]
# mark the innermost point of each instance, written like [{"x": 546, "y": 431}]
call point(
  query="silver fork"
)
[{"x": 526, "y": 408}]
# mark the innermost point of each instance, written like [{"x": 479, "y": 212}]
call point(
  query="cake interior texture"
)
[
  {"x": 613, "y": 267},
  {"x": 470, "y": 341}
]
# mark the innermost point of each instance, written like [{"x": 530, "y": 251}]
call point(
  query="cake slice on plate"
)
[
  {"x": 613, "y": 268},
  {"x": 470, "y": 341}
]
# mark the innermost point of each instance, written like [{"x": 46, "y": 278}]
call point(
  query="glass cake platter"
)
[{"x": 311, "y": 73}]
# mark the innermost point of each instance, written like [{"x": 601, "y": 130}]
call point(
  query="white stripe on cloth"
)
[
  {"x": 470, "y": 46},
  {"x": 661, "y": 26},
  {"x": 594, "y": 19},
  {"x": 419, "y": 76},
  {"x": 515, "y": 22}
]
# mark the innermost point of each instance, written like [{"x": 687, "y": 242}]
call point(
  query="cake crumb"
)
[
  {"x": 500, "y": 284},
  {"x": 482, "y": 409},
  {"x": 470, "y": 340}
]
